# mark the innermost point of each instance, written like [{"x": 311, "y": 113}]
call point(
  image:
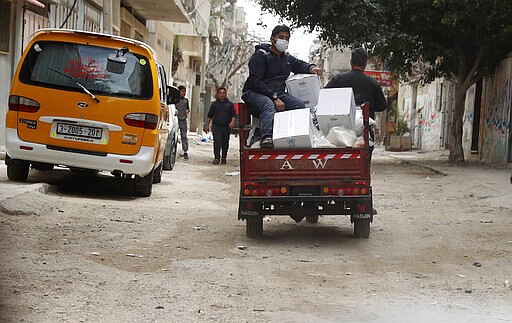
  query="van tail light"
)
[
  {"x": 22, "y": 104},
  {"x": 142, "y": 120}
]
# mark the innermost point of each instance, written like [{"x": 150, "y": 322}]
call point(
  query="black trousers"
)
[{"x": 220, "y": 141}]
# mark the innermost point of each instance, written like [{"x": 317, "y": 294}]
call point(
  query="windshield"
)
[{"x": 61, "y": 65}]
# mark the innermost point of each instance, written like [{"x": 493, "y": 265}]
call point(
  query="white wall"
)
[{"x": 5, "y": 84}]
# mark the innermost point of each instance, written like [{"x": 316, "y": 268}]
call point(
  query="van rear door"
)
[{"x": 67, "y": 97}]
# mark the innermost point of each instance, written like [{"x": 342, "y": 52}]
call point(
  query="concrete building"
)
[
  {"x": 487, "y": 133},
  {"x": 192, "y": 41},
  {"x": 143, "y": 20},
  {"x": 231, "y": 49}
]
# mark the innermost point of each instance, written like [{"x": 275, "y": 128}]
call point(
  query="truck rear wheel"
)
[
  {"x": 254, "y": 227},
  {"x": 362, "y": 229},
  {"x": 312, "y": 218}
]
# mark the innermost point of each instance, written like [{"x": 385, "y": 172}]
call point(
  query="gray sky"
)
[{"x": 300, "y": 41}]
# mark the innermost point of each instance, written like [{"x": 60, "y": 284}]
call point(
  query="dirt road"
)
[{"x": 80, "y": 249}]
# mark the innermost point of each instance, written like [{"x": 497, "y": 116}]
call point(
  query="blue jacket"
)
[{"x": 268, "y": 71}]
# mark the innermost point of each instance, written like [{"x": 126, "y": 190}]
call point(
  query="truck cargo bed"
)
[{"x": 304, "y": 182}]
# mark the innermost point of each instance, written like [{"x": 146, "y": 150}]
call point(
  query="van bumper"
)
[{"x": 140, "y": 164}]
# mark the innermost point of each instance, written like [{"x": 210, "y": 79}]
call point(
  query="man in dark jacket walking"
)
[
  {"x": 366, "y": 88},
  {"x": 264, "y": 89},
  {"x": 222, "y": 113}
]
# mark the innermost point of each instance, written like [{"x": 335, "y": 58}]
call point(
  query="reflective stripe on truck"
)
[{"x": 302, "y": 156}]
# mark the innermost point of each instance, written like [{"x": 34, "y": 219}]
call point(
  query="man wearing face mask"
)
[{"x": 264, "y": 89}]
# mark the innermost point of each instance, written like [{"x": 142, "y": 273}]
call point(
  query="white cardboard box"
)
[
  {"x": 293, "y": 129},
  {"x": 305, "y": 87},
  {"x": 336, "y": 107}
]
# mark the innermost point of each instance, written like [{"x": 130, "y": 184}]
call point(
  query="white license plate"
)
[{"x": 79, "y": 131}]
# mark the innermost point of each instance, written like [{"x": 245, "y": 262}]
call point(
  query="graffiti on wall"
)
[
  {"x": 428, "y": 120},
  {"x": 496, "y": 123},
  {"x": 467, "y": 123}
]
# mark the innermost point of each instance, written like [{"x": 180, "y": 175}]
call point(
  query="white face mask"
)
[{"x": 281, "y": 45}]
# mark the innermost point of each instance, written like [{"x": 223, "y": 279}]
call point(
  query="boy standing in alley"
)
[
  {"x": 183, "y": 110},
  {"x": 222, "y": 115}
]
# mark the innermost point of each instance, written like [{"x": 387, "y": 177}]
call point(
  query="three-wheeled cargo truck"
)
[{"x": 304, "y": 182}]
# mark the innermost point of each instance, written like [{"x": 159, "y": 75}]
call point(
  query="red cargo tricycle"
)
[{"x": 304, "y": 182}]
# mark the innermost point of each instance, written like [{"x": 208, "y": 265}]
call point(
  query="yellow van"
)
[{"x": 90, "y": 102}]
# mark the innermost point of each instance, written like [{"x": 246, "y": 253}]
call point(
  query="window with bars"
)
[{"x": 5, "y": 25}]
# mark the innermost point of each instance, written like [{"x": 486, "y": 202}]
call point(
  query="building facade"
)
[
  {"x": 428, "y": 110},
  {"x": 144, "y": 20}
]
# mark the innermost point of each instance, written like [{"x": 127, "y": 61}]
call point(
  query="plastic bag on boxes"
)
[
  {"x": 319, "y": 139},
  {"x": 358, "y": 122},
  {"x": 360, "y": 142},
  {"x": 342, "y": 137}
]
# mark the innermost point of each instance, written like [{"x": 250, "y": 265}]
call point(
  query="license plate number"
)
[{"x": 79, "y": 131}]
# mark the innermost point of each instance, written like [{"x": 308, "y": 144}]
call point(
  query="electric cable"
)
[{"x": 69, "y": 14}]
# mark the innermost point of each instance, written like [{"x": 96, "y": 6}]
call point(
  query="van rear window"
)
[{"x": 61, "y": 65}]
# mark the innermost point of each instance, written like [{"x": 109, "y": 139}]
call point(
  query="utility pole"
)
[{"x": 203, "y": 100}]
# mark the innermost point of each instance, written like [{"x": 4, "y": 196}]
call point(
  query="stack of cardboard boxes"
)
[{"x": 331, "y": 109}]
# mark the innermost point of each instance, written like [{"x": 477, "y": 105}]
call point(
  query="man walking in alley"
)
[
  {"x": 222, "y": 115},
  {"x": 183, "y": 110},
  {"x": 366, "y": 88}
]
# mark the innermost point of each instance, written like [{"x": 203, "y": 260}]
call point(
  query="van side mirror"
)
[{"x": 173, "y": 95}]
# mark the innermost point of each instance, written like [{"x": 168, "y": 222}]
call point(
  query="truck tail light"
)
[
  {"x": 22, "y": 104},
  {"x": 340, "y": 191},
  {"x": 264, "y": 191},
  {"x": 142, "y": 120}
]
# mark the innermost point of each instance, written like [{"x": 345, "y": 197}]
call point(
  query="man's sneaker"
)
[
  {"x": 223, "y": 161},
  {"x": 185, "y": 155},
  {"x": 216, "y": 161},
  {"x": 267, "y": 143}
]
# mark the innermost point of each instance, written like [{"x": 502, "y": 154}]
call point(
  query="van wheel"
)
[
  {"x": 170, "y": 159},
  {"x": 142, "y": 185},
  {"x": 254, "y": 227},
  {"x": 17, "y": 169},
  {"x": 362, "y": 229},
  {"x": 157, "y": 176}
]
